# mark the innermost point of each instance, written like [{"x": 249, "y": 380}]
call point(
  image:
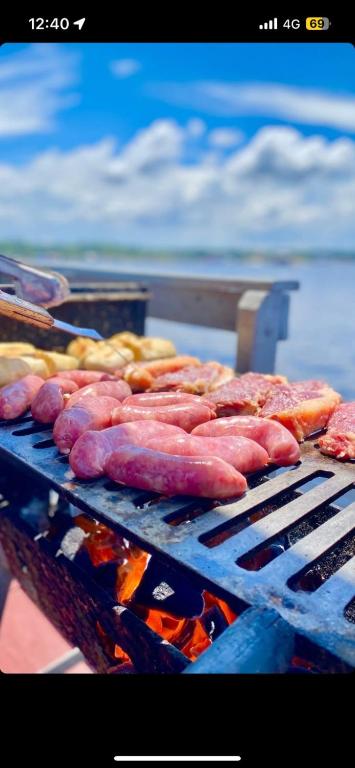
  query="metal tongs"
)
[{"x": 37, "y": 289}]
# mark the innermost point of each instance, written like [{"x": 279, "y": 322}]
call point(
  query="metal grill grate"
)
[{"x": 292, "y": 516}]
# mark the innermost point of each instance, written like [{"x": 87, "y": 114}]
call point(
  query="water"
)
[
  {"x": 321, "y": 342},
  {"x": 321, "y": 322}
]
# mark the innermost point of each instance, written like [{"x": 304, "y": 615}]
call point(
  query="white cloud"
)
[
  {"x": 195, "y": 127},
  {"x": 35, "y": 84},
  {"x": 224, "y": 138},
  {"x": 293, "y": 104},
  {"x": 123, "y": 68},
  {"x": 280, "y": 189}
]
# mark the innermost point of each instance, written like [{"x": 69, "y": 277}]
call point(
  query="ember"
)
[{"x": 190, "y": 635}]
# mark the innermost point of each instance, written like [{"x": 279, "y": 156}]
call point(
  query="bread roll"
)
[
  {"x": 15, "y": 348},
  {"x": 14, "y": 368},
  {"x": 107, "y": 357},
  {"x": 80, "y": 346},
  {"x": 155, "y": 348},
  {"x": 56, "y": 361}
]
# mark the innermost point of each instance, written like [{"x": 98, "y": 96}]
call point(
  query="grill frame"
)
[{"x": 318, "y": 615}]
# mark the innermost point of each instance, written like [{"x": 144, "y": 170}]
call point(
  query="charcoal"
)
[
  {"x": 214, "y": 622},
  {"x": 167, "y": 590}
]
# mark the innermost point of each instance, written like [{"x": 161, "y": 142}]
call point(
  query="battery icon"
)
[{"x": 317, "y": 23}]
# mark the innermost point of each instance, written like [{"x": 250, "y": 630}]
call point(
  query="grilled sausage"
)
[
  {"x": 92, "y": 449},
  {"x": 91, "y": 413},
  {"x": 49, "y": 400},
  {"x": 184, "y": 415},
  {"x": 170, "y": 475},
  {"x": 243, "y": 454},
  {"x": 281, "y": 446},
  {"x": 16, "y": 398},
  {"x": 119, "y": 390},
  {"x": 83, "y": 378},
  {"x": 154, "y": 399}
]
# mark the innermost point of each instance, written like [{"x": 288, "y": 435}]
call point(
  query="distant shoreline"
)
[{"x": 110, "y": 252}]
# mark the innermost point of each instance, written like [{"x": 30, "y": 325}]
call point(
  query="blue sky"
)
[{"x": 230, "y": 145}]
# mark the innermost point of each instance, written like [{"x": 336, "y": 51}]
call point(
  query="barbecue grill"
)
[{"x": 284, "y": 551}]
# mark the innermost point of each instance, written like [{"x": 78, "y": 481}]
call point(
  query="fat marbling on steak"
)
[
  {"x": 303, "y": 407},
  {"x": 339, "y": 441},
  {"x": 245, "y": 394}
]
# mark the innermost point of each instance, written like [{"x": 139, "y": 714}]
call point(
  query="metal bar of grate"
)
[{"x": 179, "y": 530}]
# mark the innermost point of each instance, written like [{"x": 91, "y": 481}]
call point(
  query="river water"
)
[{"x": 321, "y": 342}]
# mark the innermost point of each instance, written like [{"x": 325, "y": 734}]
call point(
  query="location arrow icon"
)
[{"x": 79, "y": 23}]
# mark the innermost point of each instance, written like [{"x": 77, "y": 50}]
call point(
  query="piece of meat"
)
[
  {"x": 154, "y": 399},
  {"x": 185, "y": 415},
  {"x": 49, "y": 400},
  {"x": 303, "y": 407},
  {"x": 83, "y": 378},
  {"x": 140, "y": 376},
  {"x": 117, "y": 389},
  {"x": 149, "y": 470},
  {"x": 16, "y": 398},
  {"x": 243, "y": 454},
  {"x": 339, "y": 440},
  {"x": 196, "y": 379},
  {"x": 92, "y": 413},
  {"x": 92, "y": 449},
  {"x": 245, "y": 394},
  {"x": 281, "y": 446}
]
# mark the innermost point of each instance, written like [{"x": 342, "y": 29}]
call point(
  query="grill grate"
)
[{"x": 214, "y": 541}]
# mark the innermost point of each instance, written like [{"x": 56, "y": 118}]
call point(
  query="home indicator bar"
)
[{"x": 177, "y": 759}]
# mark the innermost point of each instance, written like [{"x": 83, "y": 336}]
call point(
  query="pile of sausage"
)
[{"x": 168, "y": 442}]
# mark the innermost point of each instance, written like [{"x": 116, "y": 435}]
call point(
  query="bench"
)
[{"x": 257, "y": 310}]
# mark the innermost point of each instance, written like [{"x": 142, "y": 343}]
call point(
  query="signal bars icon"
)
[{"x": 271, "y": 24}]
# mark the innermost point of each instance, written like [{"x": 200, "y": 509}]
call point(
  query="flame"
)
[
  {"x": 198, "y": 642},
  {"x": 102, "y": 544},
  {"x": 130, "y": 573},
  {"x": 189, "y": 635}
]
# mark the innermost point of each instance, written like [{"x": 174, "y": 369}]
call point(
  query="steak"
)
[
  {"x": 339, "y": 441},
  {"x": 245, "y": 394},
  {"x": 303, "y": 407}
]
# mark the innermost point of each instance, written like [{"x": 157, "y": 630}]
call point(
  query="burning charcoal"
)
[
  {"x": 164, "y": 589},
  {"x": 59, "y": 526},
  {"x": 106, "y": 576},
  {"x": 214, "y": 622},
  {"x": 71, "y": 542},
  {"x": 82, "y": 559}
]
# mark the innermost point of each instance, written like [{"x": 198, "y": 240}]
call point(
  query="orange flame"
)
[{"x": 189, "y": 635}]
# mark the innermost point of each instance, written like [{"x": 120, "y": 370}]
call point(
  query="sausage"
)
[
  {"x": 170, "y": 475},
  {"x": 140, "y": 375},
  {"x": 153, "y": 399},
  {"x": 92, "y": 413},
  {"x": 184, "y": 415},
  {"x": 92, "y": 449},
  {"x": 16, "y": 398},
  {"x": 243, "y": 454},
  {"x": 83, "y": 378},
  {"x": 49, "y": 400},
  {"x": 119, "y": 390},
  {"x": 281, "y": 446}
]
